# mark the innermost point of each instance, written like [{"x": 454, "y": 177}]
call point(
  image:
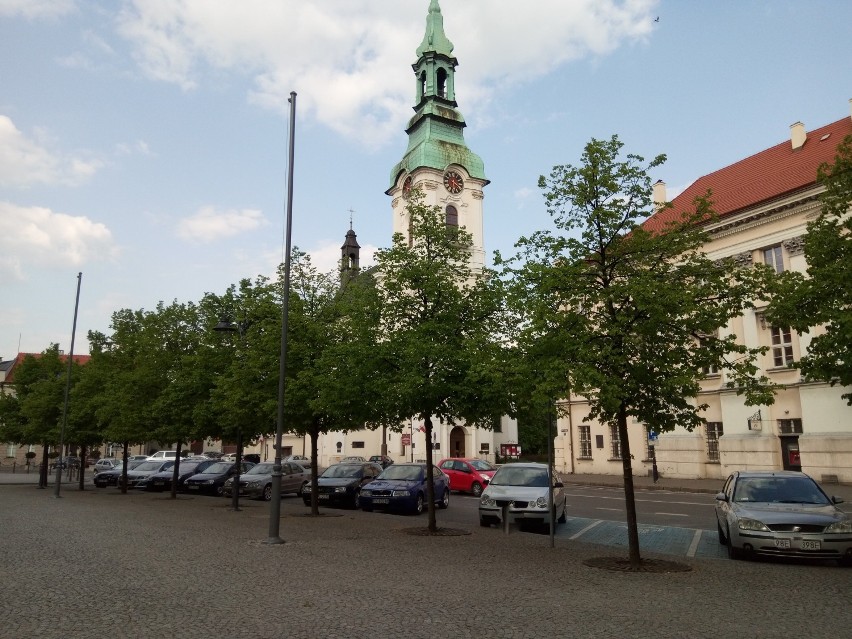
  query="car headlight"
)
[
  {"x": 366, "y": 492},
  {"x": 340, "y": 489},
  {"x": 253, "y": 484},
  {"x": 840, "y": 527},
  {"x": 751, "y": 524},
  {"x": 210, "y": 482},
  {"x": 229, "y": 483},
  {"x": 307, "y": 488},
  {"x": 401, "y": 493},
  {"x": 486, "y": 500},
  {"x": 541, "y": 502}
]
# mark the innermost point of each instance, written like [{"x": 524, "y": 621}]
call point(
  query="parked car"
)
[
  {"x": 110, "y": 477},
  {"x": 299, "y": 459},
  {"x": 340, "y": 484},
  {"x": 257, "y": 482},
  {"x": 382, "y": 460},
  {"x": 523, "y": 488},
  {"x": 107, "y": 463},
  {"x": 137, "y": 458},
  {"x": 137, "y": 476},
  {"x": 163, "y": 480},
  {"x": 467, "y": 475},
  {"x": 65, "y": 463},
  {"x": 781, "y": 513},
  {"x": 164, "y": 454},
  {"x": 403, "y": 487},
  {"x": 353, "y": 458},
  {"x": 212, "y": 480},
  {"x": 254, "y": 458}
]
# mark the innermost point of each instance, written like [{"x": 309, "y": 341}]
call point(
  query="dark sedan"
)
[
  {"x": 163, "y": 480},
  {"x": 110, "y": 477},
  {"x": 340, "y": 484},
  {"x": 212, "y": 480},
  {"x": 403, "y": 487}
]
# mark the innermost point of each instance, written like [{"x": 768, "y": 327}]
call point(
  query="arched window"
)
[
  {"x": 442, "y": 83},
  {"x": 452, "y": 216},
  {"x": 422, "y": 89}
]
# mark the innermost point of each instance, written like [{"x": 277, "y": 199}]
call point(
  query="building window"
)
[
  {"x": 710, "y": 369},
  {"x": 585, "y": 442},
  {"x": 357, "y": 444},
  {"x": 790, "y": 426},
  {"x": 615, "y": 442},
  {"x": 497, "y": 424},
  {"x": 774, "y": 258},
  {"x": 713, "y": 431},
  {"x": 452, "y": 216},
  {"x": 782, "y": 347},
  {"x": 11, "y": 449}
]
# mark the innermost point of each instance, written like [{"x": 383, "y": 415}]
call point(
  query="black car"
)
[
  {"x": 382, "y": 460},
  {"x": 110, "y": 477},
  {"x": 211, "y": 481},
  {"x": 340, "y": 484},
  {"x": 65, "y": 463},
  {"x": 163, "y": 480}
]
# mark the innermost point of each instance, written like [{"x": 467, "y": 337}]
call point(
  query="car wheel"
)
[
  {"x": 267, "y": 492},
  {"x": 476, "y": 489},
  {"x": 722, "y": 539},
  {"x": 418, "y": 506},
  {"x": 445, "y": 501},
  {"x": 563, "y": 517},
  {"x": 733, "y": 553},
  {"x": 357, "y": 504},
  {"x": 220, "y": 491}
]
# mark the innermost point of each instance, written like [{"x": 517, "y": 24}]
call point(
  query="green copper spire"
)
[
  {"x": 436, "y": 132},
  {"x": 435, "y": 39}
]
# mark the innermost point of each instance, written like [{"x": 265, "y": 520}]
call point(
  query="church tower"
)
[
  {"x": 349, "y": 255},
  {"x": 437, "y": 159}
]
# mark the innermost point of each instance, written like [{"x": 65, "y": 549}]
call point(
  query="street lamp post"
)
[{"x": 225, "y": 325}]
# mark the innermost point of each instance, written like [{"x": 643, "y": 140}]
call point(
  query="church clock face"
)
[{"x": 453, "y": 182}]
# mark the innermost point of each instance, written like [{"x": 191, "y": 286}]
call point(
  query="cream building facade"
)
[{"x": 764, "y": 203}]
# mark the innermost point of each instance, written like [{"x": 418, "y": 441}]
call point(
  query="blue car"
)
[{"x": 402, "y": 487}]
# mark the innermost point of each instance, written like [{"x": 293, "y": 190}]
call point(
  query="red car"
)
[{"x": 467, "y": 475}]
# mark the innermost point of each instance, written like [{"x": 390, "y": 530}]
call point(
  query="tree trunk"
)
[
  {"x": 123, "y": 480},
  {"x": 314, "y": 471},
  {"x": 83, "y": 457},
  {"x": 430, "y": 488},
  {"x": 42, "y": 472},
  {"x": 629, "y": 497},
  {"x": 176, "y": 472}
]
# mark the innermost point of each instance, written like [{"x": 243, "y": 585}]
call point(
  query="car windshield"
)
[
  {"x": 401, "y": 472},
  {"x": 520, "y": 476},
  {"x": 151, "y": 465},
  {"x": 218, "y": 468},
  {"x": 479, "y": 464},
  {"x": 260, "y": 469},
  {"x": 187, "y": 466},
  {"x": 343, "y": 470},
  {"x": 779, "y": 490}
]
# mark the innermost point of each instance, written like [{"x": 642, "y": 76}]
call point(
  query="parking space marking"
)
[
  {"x": 673, "y": 514},
  {"x": 586, "y": 529},
  {"x": 693, "y": 547}
]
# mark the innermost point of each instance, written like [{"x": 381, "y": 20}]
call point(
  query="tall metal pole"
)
[
  {"x": 275, "y": 505},
  {"x": 550, "y": 474},
  {"x": 67, "y": 389}
]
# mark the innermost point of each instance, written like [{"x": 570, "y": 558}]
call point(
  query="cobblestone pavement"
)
[{"x": 99, "y": 563}]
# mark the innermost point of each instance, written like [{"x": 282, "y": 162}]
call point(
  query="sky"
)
[{"x": 144, "y": 143}]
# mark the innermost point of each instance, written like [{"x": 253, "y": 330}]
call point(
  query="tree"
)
[
  {"x": 626, "y": 317},
  {"x": 824, "y": 296},
  {"x": 438, "y": 327}
]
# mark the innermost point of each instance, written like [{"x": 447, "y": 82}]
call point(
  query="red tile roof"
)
[
  {"x": 765, "y": 176},
  {"x": 10, "y": 370}
]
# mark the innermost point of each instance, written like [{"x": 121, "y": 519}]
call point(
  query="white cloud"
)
[
  {"x": 35, "y": 236},
  {"x": 34, "y": 9},
  {"x": 208, "y": 224},
  {"x": 342, "y": 56},
  {"x": 26, "y": 162}
]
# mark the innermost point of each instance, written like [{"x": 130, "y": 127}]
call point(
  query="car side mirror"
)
[
  {"x": 559, "y": 484},
  {"x": 837, "y": 500},
  {"x": 721, "y": 497}
]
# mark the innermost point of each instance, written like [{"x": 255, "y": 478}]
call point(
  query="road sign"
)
[{"x": 406, "y": 439}]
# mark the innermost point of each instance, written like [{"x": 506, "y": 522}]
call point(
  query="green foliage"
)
[
  {"x": 614, "y": 312},
  {"x": 824, "y": 296}
]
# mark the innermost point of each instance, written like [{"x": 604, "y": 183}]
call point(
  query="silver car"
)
[
  {"x": 522, "y": 489},
  {"x": 782, "y": 514},
  {"x": 256, "y": 483}
]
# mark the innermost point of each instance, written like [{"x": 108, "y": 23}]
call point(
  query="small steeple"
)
[
  {"x": 435, "y": 40},
  {"x": 350, "y": 253}
]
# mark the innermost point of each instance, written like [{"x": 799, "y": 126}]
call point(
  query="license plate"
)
[
  {"x": 323, "y": 496},
  {"x": 810, "y": 545},
  {"x": 782, "y": 543},
  {"x": 381, "y": 501},
  {"x": 191, "y": 487}
]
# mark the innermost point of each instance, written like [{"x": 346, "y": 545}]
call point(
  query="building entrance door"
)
[
  {"x": 457, "y": 442},
  {"x": 790, "y": 453}
]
